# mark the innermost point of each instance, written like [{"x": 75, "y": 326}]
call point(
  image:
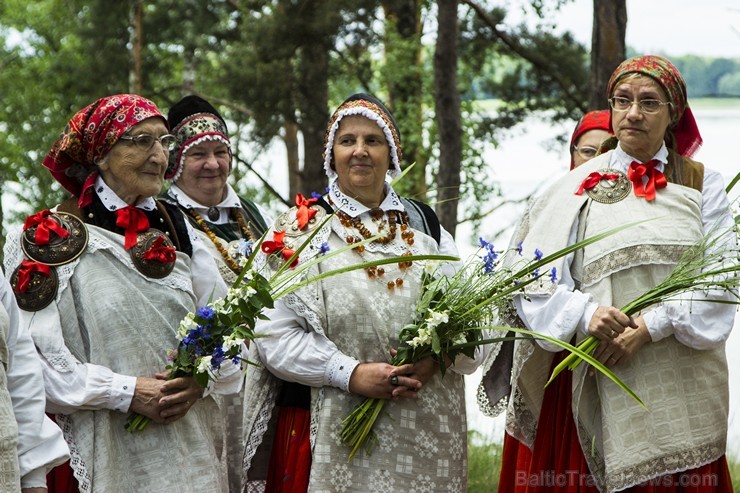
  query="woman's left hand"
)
[
  {"x": 624, "y": 346},
  {"x": 179, "y": 396}
]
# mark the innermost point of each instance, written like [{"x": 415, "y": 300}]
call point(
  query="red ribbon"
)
[
  {"x": 656, "y": 179},
  {"x": 28, "y": 267},
  {"x": 133, "y": 221},
  {"x": 304, "y": 212},
  {"x": 277, "y": 245},
  {"x": 160, "y": 253},
  {"x": 593, "y": 179},
  {"x": 44, "y": 226}
]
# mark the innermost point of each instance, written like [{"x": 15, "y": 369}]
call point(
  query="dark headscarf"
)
[
  {"x": 193, "y": 120},
  {"x": 683, "y": 125},
  {"x": 89, "y": 136},
  {"x": 371, "y": 108},
  {"x": 593, "y": 120}
]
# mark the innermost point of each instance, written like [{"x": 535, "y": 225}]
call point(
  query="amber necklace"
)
[
  {"x": 378, "y": 216},
  {"x": 212, "y": 236}
]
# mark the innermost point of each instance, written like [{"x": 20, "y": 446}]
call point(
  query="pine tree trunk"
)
[
  {"x": 448, "y": 115},
  {"x": 137, "y": 42},
  {"x": 607, "y": 47}
]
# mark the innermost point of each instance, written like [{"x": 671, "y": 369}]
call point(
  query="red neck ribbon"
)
[
  {"x": 304, "y": 212},
  {"x": 133, "y": 221},
  {"x": 656, "y": 179},
  {"x": 277, "y": 245},
  {"x": 160, "y": 253},
  {"x": 593, "y": 179},
  {"x": 44, "y": 226},
  {"x": 28, "y": 267}
]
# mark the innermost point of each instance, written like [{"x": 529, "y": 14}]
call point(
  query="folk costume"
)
[
  {"x": 320, "y": 333},
  {"x": 229, "y": 230},
  {"x": 585, "y": 434},
  {"x": 103, "y": 286},
  {"x": 30, "y": 443}
]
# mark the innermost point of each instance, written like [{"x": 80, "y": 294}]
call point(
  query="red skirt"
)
[
  {"x": 556, "y": 463},
  {"x": 290, "y": 460}
]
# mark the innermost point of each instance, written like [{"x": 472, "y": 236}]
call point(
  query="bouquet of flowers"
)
[
  {"x": 452, "y": 312},
  {"x": 712, "y": 264}
]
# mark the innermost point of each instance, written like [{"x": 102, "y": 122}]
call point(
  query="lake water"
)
[{"x": 527, "y": 161}]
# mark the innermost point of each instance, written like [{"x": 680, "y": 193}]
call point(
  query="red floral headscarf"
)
[
  {"x": 90, "y": 135},
  {"x": 593, "y": 120},
  {"x": 683, "y": 125}
]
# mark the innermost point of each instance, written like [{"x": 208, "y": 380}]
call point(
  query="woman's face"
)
[
  {"x": 588, "y": 145},
  {"x": 204, "y": 173},
  {"x": 132, "y": 171},
  {"x": 361, "y": 159},
  {"x": 641, "y": 135}
]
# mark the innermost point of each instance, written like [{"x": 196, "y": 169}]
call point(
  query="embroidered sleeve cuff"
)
[
  {"x": 122, "y": 392},
  {"x": 339, "y": 370}
]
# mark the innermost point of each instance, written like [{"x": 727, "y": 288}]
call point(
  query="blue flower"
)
[
  {"x": 553, "y": 275},
  {"x": 536, "y": 272},
  {"x": 206, "y": 312},
  {"x": 315, "y": 195},
  {"x": 519, "y": 247},
  {"x": 217, "y": 357},
  {"x": 236, "y": 360},
  {"x": 483, "y": 243},
  {"x": 537, "y": 254},
  {"x": 324, "y": 248}
]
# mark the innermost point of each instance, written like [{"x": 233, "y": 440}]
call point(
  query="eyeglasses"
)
[
  {"x": 647, "y": 106},
  {"x": 146, "y": 141},
  {"x": 586, "y": 152}
]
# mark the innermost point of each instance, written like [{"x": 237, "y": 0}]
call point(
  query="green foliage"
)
[{"x": 484, "y": 463}]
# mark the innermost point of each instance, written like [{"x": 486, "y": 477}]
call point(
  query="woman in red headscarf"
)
[
  {"x": 592, "y": 129},
  {"x": 103, "y": 281},
  {"x": 585, "y": 434}
]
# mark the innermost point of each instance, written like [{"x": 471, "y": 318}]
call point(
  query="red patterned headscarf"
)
[
  {"x": 90, "y": 135},
  {"x": 683, "y": 125},
  {"x": 593, "y": 120}
]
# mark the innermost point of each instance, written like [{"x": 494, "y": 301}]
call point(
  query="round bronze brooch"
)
[
  {"x": 610, "y": 191},
  {"x": 41, "y": 290},
  {"x": 288, "y": 222},
  {"x": 58, "y": 251},
  {"x": 151, "y": 268}
]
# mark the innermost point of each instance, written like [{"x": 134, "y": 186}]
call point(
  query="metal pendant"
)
[
  {"x": 287, "y": 221},
  {"x": 150, "y": 268},
  {"x": 610, "y": 191},
  {"x": 41, "y": 291},
  {"x": 58, "y": 251}
]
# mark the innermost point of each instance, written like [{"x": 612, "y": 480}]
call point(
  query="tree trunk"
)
[
  {"x": 448, "y": 115},
  {"x": 607, "y": 47},
  {"x": 137, "y": 42},
  {"x": 404, "y": 68},
  {"x": 313, "y": 89},
  {"x": 290, "y": 138}
]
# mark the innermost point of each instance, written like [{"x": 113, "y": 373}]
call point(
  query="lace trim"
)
[
  {"x": 256, "y": 486},
  {"x": 485, "y": 405},
  {"x": 631, "y": 256},
  {"x": 318, "y": 404},
  {"x": 258, "y": 432},
  {"x": 79, "y": 469},
  {"x": 293, "y": 302}
]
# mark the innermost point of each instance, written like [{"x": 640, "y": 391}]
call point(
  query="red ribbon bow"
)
[
  {"x": 133, "y": 221},
  {"x": 593, "y": 179},
  {"x": 160, "y": 253},
  {"x": 277, "y": 245},
  {"x": 304, "y": 212},
  {"x": 28, "y": 267},
  {"x": 44, "y": 226},
  {"x": 656, "y": 179}
]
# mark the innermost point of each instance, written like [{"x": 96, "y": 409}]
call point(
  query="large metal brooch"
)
[
  {"x": 58, "y": 251},
  {"x": 40, "y": 291},
  {"x": 288, "y": 221},
  {"x": 610, "y": 190},
  {"x": 151, "y": 268}
]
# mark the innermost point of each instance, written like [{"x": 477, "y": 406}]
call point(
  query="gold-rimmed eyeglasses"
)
[
  {"x": 647, "y": 106},
  {"x": 146, "y": 141}
]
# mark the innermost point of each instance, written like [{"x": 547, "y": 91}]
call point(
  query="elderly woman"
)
[
  {"x": 591, "y": 130},
  {"x": 336, "y": 336},
  {"x": 106, "y": 278},
  {"x": 585, "y": 432}
]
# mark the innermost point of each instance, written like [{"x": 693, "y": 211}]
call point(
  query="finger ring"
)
[
  {"x": 614, "y": 333},
  {"x": 394, "y": 380}
]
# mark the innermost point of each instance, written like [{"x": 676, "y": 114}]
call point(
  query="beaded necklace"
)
[
  {"x": 212, "y": 236},
  {"x": 378, "y": 217}
]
